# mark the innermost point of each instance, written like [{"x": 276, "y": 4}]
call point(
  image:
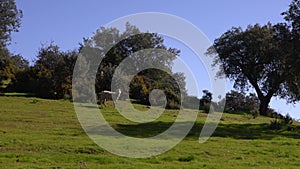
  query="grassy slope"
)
[{"x": 37, "y": 133}]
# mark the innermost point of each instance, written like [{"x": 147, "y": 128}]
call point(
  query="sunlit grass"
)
[{"x": 39, "y": 133}]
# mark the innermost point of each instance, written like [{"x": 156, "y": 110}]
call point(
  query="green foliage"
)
[
  {"x": 172, "y": 104},
  {"x": 264, "y": 57},
  {"x": 191, "y": 102},
  {"x": 206, "y": 103},
  {"x": 125, "y": 45},
  {"x": 281, "y": 122},
  {"x": 139, "y": 90},
  {"x": 255, "y": 113},
  {"x": 54, "y": 70},
  {"x": 10, "y": 66},
  {"x": 207, "y": 96},
  {"x": 50, "y": 77},
  {"x": 239, "y": 101},
  {"x": 287, "y": 119},
  {"x": 24, "y": 82},
  {"x": 10, "y": 19},
  {"x": 207, "y": 107},
  {"x": 7, "y": 69},
  {"x": 276, "y": 124},
  {"x": 292, "y": 16}
]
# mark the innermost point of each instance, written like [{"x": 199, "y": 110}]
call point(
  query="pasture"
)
[{"x": 39, "y": 133}]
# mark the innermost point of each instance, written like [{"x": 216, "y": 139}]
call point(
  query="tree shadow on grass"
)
[{"x": 236, "y": 131}]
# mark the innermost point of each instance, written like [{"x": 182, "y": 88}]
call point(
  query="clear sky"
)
[{"x": 67, "y": 22}]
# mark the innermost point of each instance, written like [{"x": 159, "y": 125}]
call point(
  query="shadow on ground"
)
[{"x": 236, "y": 131}]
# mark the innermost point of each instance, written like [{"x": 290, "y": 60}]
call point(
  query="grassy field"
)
[{"x": 38, "y": 133}]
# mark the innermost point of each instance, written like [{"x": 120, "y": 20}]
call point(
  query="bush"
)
[
  {"x": 191, "y": 102},
  {"x": 279, "y": 123},
  {"x": 207, "y": 107},
  {"x": 275, "y": 124},
  {"x": 171, "y": 104},
  {"x": 287, "y": 119},
  {"x": 273, "y": 114},
  {"x": 240, "y": 101},
  {"x": 67, "y": 97},
  {"x": 254, "y": 113}
]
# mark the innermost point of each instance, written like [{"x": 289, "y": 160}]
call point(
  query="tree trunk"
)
[
  {"x": 263, "y": 107},
  {"x": 264, "y": 99}
]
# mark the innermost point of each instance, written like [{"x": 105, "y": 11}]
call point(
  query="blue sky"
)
[{"x": 67, "y": 22}]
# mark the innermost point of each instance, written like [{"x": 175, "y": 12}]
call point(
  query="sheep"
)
[{"x": 105, "y": 95}]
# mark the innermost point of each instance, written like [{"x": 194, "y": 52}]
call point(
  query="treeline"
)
[
  {"x": 236, "y": 102},
  {"x": 51, "y": 75},
  {"x": 263, "y": 57}
]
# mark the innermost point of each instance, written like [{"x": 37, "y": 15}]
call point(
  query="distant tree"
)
[
  {"x": 207, "y": 96},
  {"x": 10, "y": 20},
  {"x": 25, "y": 81},
  {"x": 10, "y": 66},
  {"x": 19, "y": 62},
  {"x": 191, "y": 102},
  {"x": 129, "y": 42},
  {"x": 7, "y": 70},
  {"x": 235, "y": 101},
  {"x": 239, "y": 101},
  {"x": 50, "y": 77},
  {"x": 206, "y": 101}
]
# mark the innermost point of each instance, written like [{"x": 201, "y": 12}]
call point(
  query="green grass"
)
[
  {"x": 38, "y": 133},
  {"x": 17, "y": 94}
]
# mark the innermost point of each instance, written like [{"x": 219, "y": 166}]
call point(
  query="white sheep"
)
[{"x": 105, "y": 95}]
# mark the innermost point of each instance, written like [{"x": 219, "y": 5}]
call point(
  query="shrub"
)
[
  {"x": 207, "y": 107},
  {"x": 254, "y": 113},
  {"x": 240, "y": 101},
  {"x": 279, "y": 123},
  {"x": 171, "y": 104},
  {"x": 275, "y": 124},
  {"x": 287, "y": 119}
]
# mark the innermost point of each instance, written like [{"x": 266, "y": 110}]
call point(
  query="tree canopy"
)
[
  {"x": 10, "y": 20},
  {"x": 240, "y": 101},
  {"x": 262, "y": 57},
  {"x": 124, "y": 45},
  {"x": 292, "y": 16}
]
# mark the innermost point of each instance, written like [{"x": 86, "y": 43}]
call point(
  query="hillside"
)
[{"x": 38, "y": 133}]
